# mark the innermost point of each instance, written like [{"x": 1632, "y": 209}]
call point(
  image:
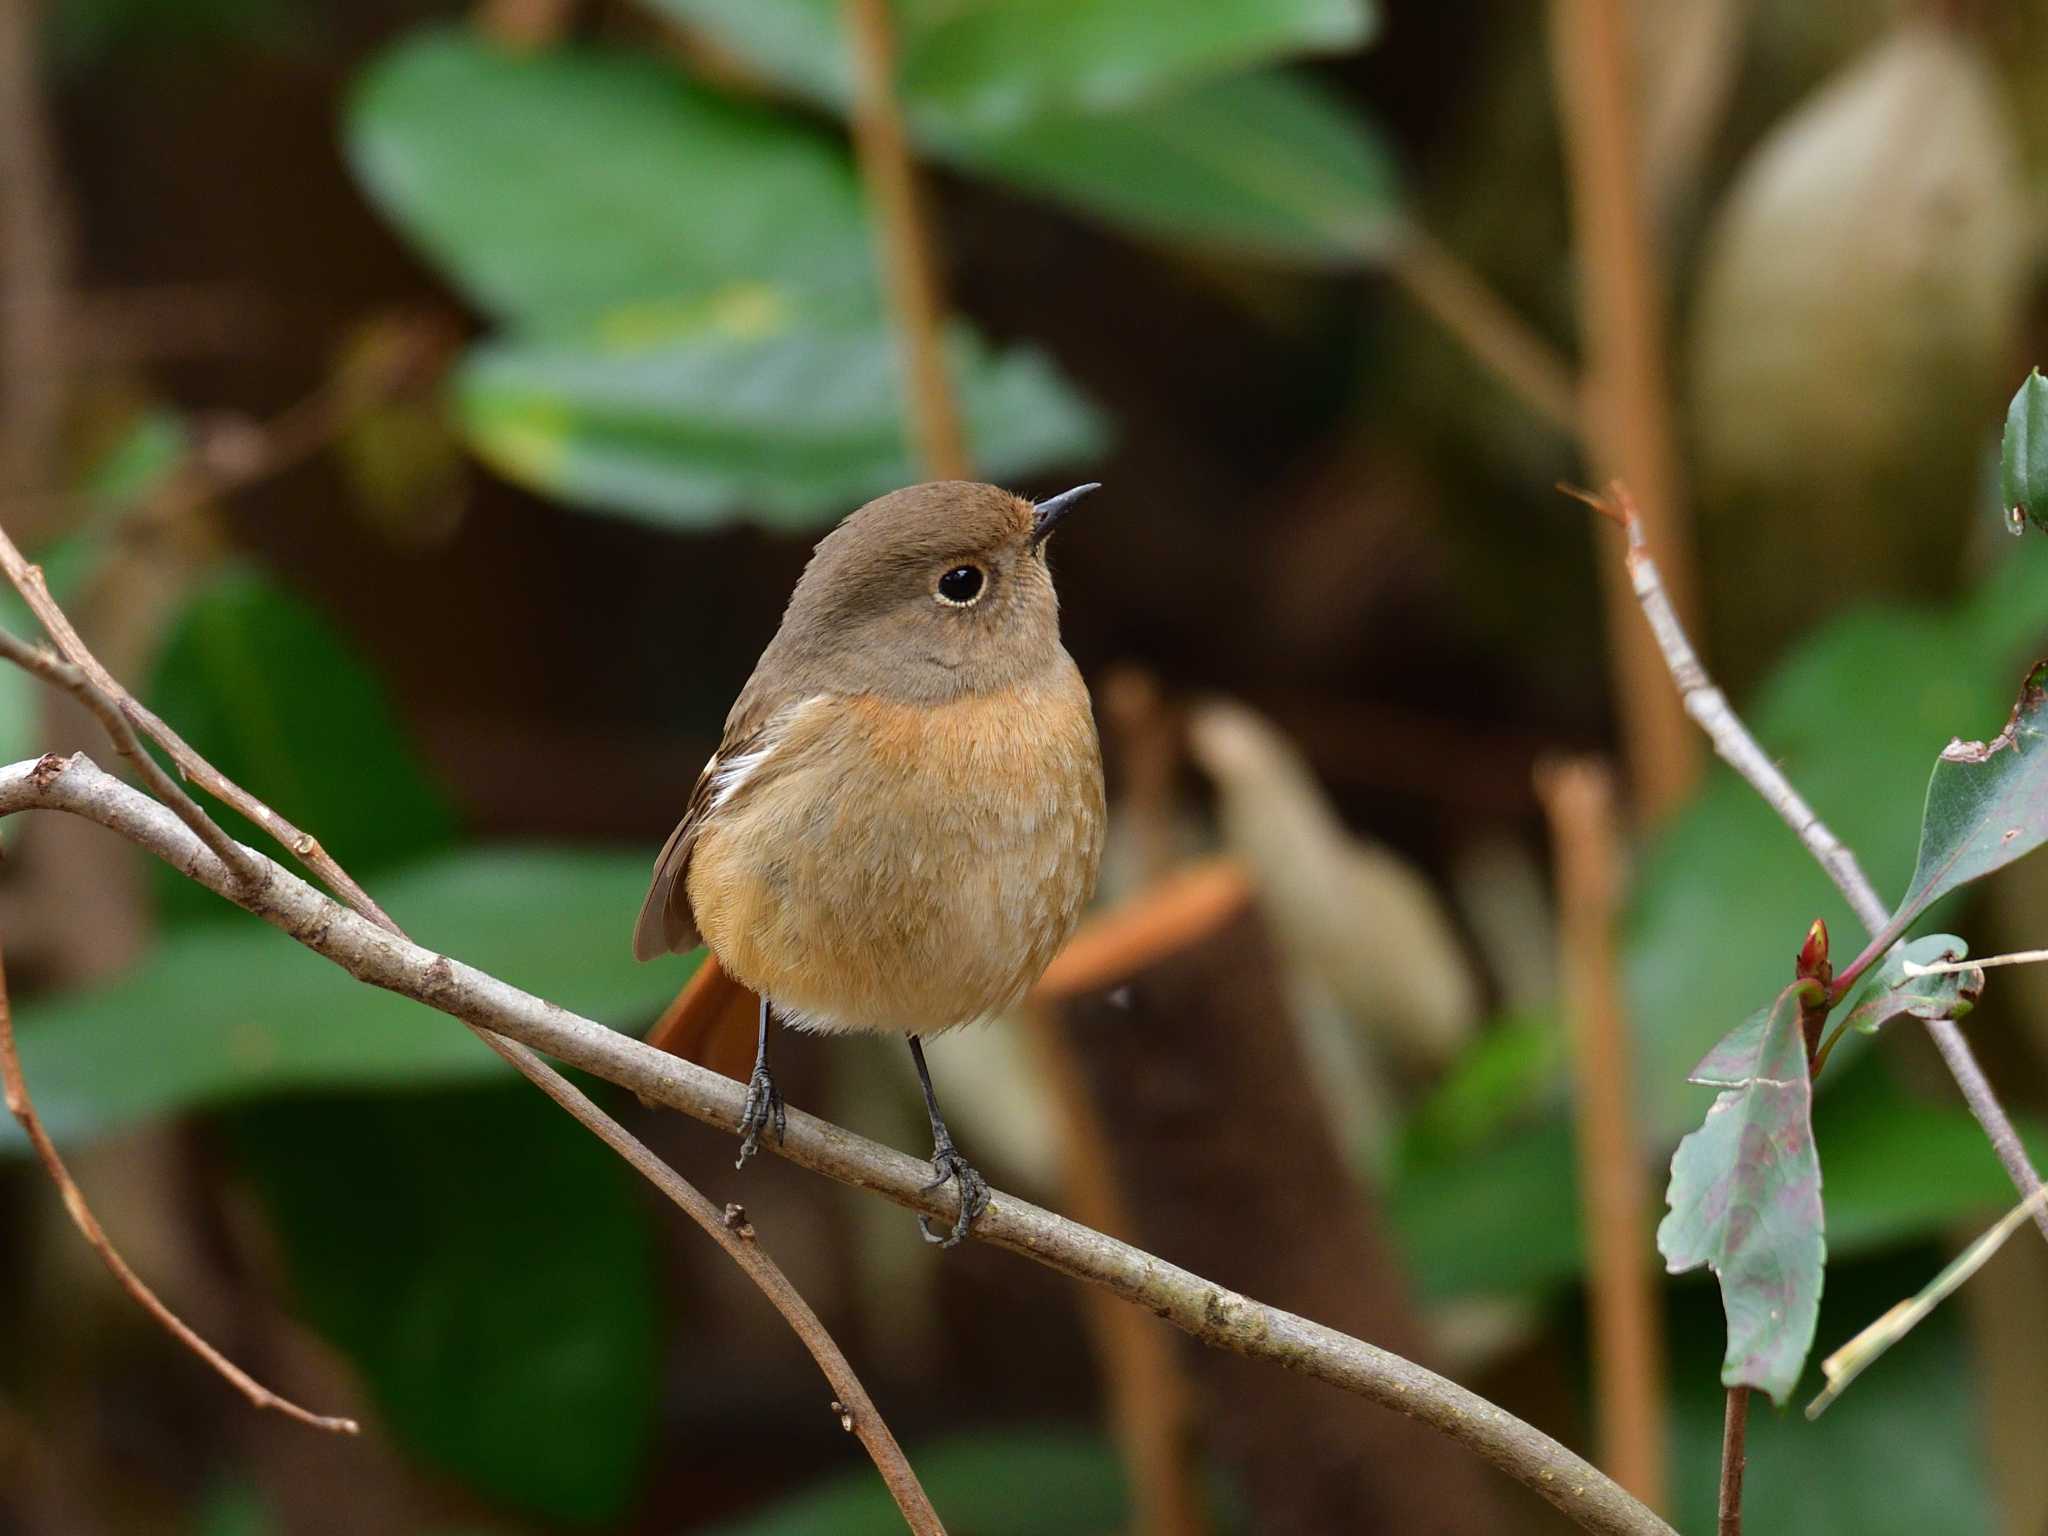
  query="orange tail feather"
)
[{"x": 712, "y": 1022}]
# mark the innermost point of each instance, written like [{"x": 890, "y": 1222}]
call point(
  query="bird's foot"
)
[
  {"x": 952, "y": 1167},
  {"x": 762, "y": 1111}
]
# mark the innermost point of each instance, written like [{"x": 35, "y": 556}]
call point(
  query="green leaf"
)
[
  {"x": 489, "y": 1268},
  {"x": 556, "y": 186},
  {"x": 2024, "y": 456},
  {"x": 993, "y": 67},
  {"x": 1987, "y": 804},
  {"x": 227, "y": 1010},
  {"x": 741, "y": 408},
  {"x": 1000, "y": 66},
  {"x": 1889, "y": 993},
  {"x": 274, "y": 697},
  {"x": 1267, "y": 165},
  {"x": 1745, "y": 1198},
  {"x": 990, "y": 1484}
]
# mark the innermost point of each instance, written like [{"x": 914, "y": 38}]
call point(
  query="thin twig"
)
[
  {"x": 115, "y": 708},
  {"x": 1628, "y": 1342},
  {"x": 1498, "y": 339},
  {"x": 1910, "y": 969},
  {"x": 903, "y": 241},
  {"x": 1628, "y": 397},
  {"x": 23, "y": 1109},
  {"x": 1731, "y": 739},
  {"x": 1734, "y": 1460},
  {"x": 1216, "y": 1316}
]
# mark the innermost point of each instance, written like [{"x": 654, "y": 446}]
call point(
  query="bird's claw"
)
[
  {"x": 763, "y": 1110},
  {"x": 949, "y": 1165}
]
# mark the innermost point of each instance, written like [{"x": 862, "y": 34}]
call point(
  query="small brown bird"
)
[{"x": 904, "y": 818}]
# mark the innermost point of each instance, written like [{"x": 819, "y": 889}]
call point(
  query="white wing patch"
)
[{"x": 728, "y": 777}]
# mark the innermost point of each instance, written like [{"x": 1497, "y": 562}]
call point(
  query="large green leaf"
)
[
  {"x": 1017, "y": 1483},
  {"x": 553, "y": 187},
  {"x": 489, "y": 1268},
  {"x": 266, "y": 689},
  {"x": 995, "y": 66},
  {"x": 1745, "y": 1197},
  {"x": 233, "y": 1009},
  {"x": 1264, "y": 164},
  {"x": 746, "y": 407}
]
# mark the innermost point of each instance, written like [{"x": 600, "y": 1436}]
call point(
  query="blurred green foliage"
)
[
  {"x": 1012, "y": 1484},
  {"x": 499, "y": 1298}
]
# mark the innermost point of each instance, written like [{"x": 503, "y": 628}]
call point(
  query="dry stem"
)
[
  {"x": 903, "y": 240},
  {"x": 1628, "y": 406},
  {"x": 1628, "y": 1343}
]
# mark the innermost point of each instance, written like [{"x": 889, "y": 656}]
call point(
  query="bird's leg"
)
[
  {"x": 764, "y": 1100},
  {"x": 947, "y": 1163}
]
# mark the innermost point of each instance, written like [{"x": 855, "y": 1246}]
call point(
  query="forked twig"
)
[{"x": 120, "y": 713}]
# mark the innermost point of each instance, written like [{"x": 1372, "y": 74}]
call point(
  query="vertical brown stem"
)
[
  {"x": 1734, "y": 1460},
  {"x": 33, "y": 257},
  {"x": 903, "y": 241},
  {"x": 1614, "y": 1194},
  {"x": 1627, "y": 387}
]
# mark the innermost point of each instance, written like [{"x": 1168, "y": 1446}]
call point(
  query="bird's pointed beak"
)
[{"x": 1049, "y": 512}]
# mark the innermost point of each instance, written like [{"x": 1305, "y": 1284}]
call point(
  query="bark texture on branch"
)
[{"x": 1210, "y": 1312}]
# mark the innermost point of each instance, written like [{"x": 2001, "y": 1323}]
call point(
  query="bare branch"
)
[
  {"x": 1211, "y": 1313},
  {"x": 1731, "y": 738},
  {"x": 23, "y": 1109}
]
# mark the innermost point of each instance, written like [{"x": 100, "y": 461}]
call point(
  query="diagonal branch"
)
[
  {"x": 1219, "y": 1317},
  {"x": 1732, "y": 740}
]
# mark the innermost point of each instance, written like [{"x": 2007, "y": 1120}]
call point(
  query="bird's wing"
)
[{"x": 743, "y": 759}]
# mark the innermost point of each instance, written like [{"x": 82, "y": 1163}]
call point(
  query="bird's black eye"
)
[{"x": 961, "y": 585}]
